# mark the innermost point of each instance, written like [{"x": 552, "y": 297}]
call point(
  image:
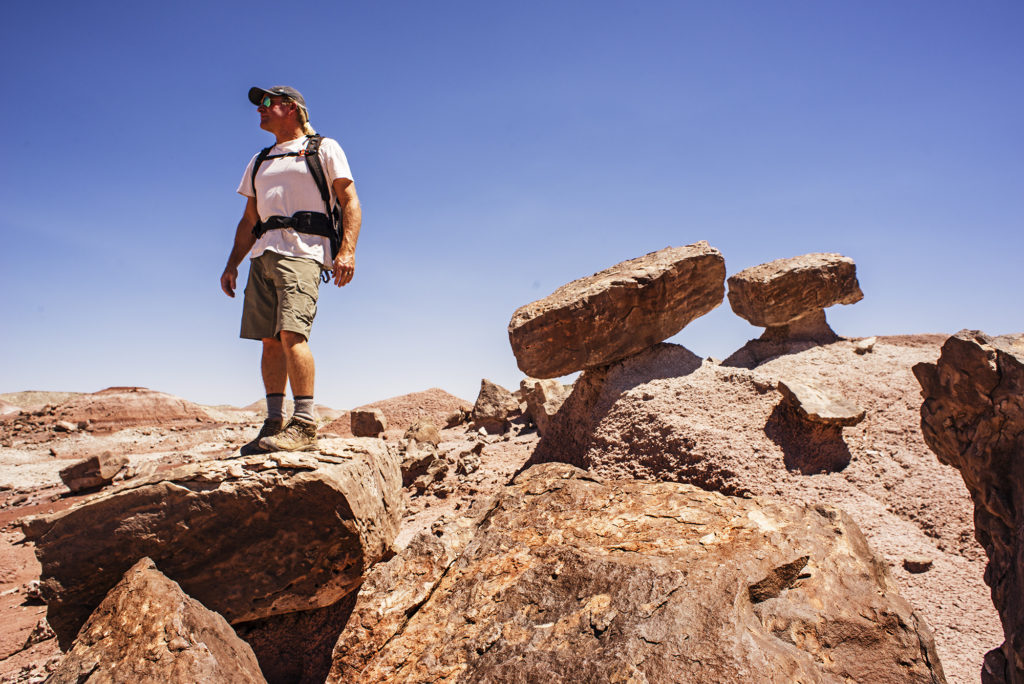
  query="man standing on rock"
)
[{"x": 298, "y": 192}]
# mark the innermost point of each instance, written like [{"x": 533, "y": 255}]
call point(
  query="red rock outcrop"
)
[
  {"x": 973, "y": 419},
  {"x": 617, "y": 312},
  {"x": 569, "y": 579},
  {"x": 367, "y": 422},
  {"x": 494, "y": 405},
  {"x": 148, "y": 630},
  {"x": 401, "y": 412},
  {"x": 543, "y": 399},
  {"x": 249, "y": 537},
  {"x": 95, "y": 471}
]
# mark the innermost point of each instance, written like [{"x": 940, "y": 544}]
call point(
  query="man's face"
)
[{"x": 274, "y": 111}]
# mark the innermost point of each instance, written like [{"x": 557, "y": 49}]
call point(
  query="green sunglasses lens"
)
[{"x": 266, "y": 102}]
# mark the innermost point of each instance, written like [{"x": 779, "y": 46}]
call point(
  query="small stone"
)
[
  {"x": 866, "y": 345},
  {"x": 368, "y": 422},
  {"x": 917, "y": 564}
]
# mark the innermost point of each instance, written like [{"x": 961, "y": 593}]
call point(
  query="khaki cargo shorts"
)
[{"x": 281, "y": 295}]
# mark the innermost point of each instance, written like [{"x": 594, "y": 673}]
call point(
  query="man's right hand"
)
[{"x": 228, "y": 279}]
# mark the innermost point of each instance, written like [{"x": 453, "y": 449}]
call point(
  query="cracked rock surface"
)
[
  {"x": 973, "y": 419},
  {"x": 653, "y": 581}
]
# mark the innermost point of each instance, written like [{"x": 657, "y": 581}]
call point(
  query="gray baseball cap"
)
[{"x": 256, "y": 94}]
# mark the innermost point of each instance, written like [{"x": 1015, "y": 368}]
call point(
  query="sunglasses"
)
[{"x": 268, "y": 102}]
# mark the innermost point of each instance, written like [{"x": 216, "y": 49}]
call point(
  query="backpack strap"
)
[
  {"x": 260, "y": 158},
  {"x": 316, "y": 169}
]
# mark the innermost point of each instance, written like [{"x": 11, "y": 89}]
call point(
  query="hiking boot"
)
[
  {"x": 271, "y": 427},
  {"x": 298, "y": 435}
]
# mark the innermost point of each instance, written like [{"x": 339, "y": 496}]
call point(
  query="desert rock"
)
[
  {"x": 617, "y": 312},
  {"x": 973, "y": 419},
  {"x": 494, "y": 405},
  {"x": 570, "y": 579},
  {"x": 817, "y": 405},
  {"x": 368, "y": 422},
  {"x": 95, "y": 471},
  {"x": 148, "y": 630},
  {"x": 543, "y": 399},
  {"x": 781, "y": 292},
  {"x": 423, "y": 431},
  {"x": 248, "y": 537}
]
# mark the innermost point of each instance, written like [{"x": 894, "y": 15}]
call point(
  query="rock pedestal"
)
[
  {"x": 249, "y": 537},
  {"x": 620, "y": 311},
  {"x": 973, "y": 419},
  {"x": 148, "y": 630},
  {"x": 543, "y": 400}
]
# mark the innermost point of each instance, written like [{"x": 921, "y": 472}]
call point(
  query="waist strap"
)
[{"x": 308, "y": 222}]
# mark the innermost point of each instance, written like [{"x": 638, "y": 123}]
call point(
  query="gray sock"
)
[
  {"x": 275, "y": 407},
  {"x": 304, "y": 409}
]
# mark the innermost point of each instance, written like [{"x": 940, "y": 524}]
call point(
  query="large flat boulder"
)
[
  {"x": 249, "y": 537},
  {"x": 781, "y": 292},
  {"x": 148, "y": 630},
  {"x": 570, "y": 579},
  {"x": 617, "y": 312},
  {"x": 973, "y": 419}
]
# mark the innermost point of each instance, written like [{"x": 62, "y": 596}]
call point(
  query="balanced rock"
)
[
  {"x": 543, "y": 399},
  {"x": 92, "y": 472},
  {"x": 617, "y": 312},
  {"x": 368, "y": 422},
  {"x": 577, "y": 580},
  {"x": 249, "y": 537},
  {"x": 782, "y": 292},
  {"x": 973, "y": 419},
  {"x": 148, "y": 630},
  {"x": 493, "y": 407}
]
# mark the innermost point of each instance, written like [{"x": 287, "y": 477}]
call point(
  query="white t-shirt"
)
[{"x": 283, "y": 187}]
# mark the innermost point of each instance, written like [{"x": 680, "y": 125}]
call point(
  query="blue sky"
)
[{"x": 500, "y": 150}]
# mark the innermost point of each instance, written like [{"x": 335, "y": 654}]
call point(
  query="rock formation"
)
[
  {"x": 401, "y": 412},
  {"x": 617, "y": 312},
  {"x": 543, "y": 400},
  {"x": 653, "y": 582},
  {"x": 248, "y": 537},
  {"x": 782, "y": 292},
  {"x": 973, "y": 419},
  {"x": 92, "y": 472},
  {"x": 494, "y": 406},
  {"x": 148, "y": 630},
  {"x": 367, "y": 422},
  {"x": 788, "y": 297}
]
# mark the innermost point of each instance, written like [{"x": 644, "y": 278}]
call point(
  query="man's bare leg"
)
[
  {"x": 300, "y": 433},
  {"x": 300, "y": 367},
  {"x": 274, "y": 366}
]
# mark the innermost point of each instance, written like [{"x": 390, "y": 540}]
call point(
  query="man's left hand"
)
[{"x": 344, "y": 269}]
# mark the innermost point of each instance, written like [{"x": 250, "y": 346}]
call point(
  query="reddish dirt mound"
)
[
  {"x": 401, "y": 412},
  {"x": 116, "y": 408}
]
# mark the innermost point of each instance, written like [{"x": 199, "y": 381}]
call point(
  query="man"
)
[{"x": 288, "y": 251}]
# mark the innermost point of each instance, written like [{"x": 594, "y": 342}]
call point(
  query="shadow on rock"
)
[
  {"x": 296, "y": 648},
  {"x": 807, "y": 448},
  {"x": 594, "y": 394}
]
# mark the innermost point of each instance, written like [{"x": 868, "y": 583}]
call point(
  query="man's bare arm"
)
[
  {"x": 352, "y": 220},
  {"x": 244, "y": 240}
]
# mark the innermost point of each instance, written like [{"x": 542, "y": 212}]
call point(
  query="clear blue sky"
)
[{"x": 500, "y": 150}]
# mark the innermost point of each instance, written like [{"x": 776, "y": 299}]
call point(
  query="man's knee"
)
[
  {"x": 271, "y": 344},
  {"x": 290, "y": 339}
]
